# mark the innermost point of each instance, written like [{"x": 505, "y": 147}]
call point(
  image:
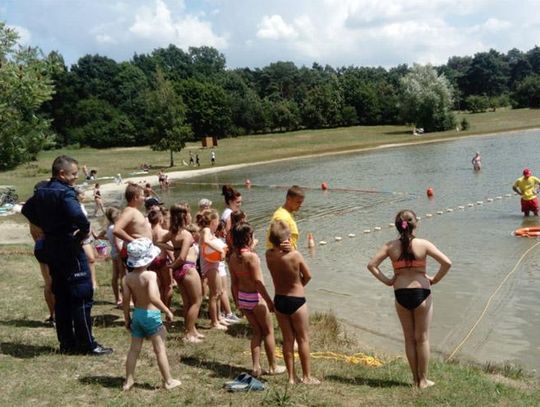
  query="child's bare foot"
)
[
  {"x": 200, "y": 336},
  {"x": 257, "y": 372},
  {"x": 191, "y": 339},
  {"x": 310, "y": 380},
  {"x": 294, "y": 380},
  {"x": 276, "y": 370},
  {"x": 171, "y": 384},
  {"x": 223, "y": 321},
  {"x": 426, "y": 384},
  {"x": 128, "y": 384},
  {"x": 220, "y": 327}
]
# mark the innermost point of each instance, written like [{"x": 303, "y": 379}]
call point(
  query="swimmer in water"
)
[{"x": 477, "y": 161}]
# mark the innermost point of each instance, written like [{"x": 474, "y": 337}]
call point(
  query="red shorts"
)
[
  {"x": 530, "y": 205},
  {"x": 158, "y": 263}
]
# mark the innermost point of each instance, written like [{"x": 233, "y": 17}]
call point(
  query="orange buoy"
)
[
  {"x": 429, "y": 192},
  {"x": 324, "y": 186},
  {"x": 247, "y": 183},
  {"x": 528, "y": 232},
  {"x": 310, "y": 241}
]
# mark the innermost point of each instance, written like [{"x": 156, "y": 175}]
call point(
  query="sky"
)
[{"x": 255, "y": 33}]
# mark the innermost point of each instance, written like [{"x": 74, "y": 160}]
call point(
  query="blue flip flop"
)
[
  {"x": 251, "y": 384},
  {"x": 240, "y": 379}
]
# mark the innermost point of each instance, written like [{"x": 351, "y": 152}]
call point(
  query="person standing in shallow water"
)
[
  {"x": 412, "y": 289},
  {"x": 527, "y": 186},
  {"x": 477, "y": 162}
]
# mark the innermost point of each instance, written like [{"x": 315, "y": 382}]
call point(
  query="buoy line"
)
[{"x": 488, "y": 303}]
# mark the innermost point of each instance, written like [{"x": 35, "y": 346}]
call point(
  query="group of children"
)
[{"x": 166, "y": 248}]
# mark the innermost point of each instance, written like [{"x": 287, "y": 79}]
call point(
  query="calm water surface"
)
[{"x": 366, "y": 190}]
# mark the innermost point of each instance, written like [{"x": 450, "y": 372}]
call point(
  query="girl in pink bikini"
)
[
  {"x": 184, "y": 268},
  {"x": 251, "y": 297},
  {"x": 412, "y": 289}
]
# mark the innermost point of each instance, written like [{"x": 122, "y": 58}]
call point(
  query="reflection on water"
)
[{"x": 371, "y": 188}]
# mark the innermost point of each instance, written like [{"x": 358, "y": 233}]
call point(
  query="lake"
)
[{"x": 366, "y": 190}]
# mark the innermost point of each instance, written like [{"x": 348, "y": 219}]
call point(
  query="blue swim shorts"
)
[{"x": 145, "y": 322}]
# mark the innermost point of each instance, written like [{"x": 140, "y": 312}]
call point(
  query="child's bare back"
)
[
  {"x": 288, "y": 271},
  {"x": 141, "y": 285}
]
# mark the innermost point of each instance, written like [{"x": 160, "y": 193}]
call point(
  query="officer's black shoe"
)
[
  {"x": 99, "y": 350},
  {"x": 68, "y": 351}
]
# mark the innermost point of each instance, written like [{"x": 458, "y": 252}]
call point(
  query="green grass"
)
[
  {"x": 32, "y": 372},
  {"x": 251, "y": 149}
]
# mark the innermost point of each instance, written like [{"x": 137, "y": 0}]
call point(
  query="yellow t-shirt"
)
[
  {"x": 284, "y": 215},
  {"x": 527, "y": 186}
]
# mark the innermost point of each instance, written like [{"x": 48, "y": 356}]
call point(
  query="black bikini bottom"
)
[
  {"x": 288, "y": 305},
  {"x": 411, "y": 298}
]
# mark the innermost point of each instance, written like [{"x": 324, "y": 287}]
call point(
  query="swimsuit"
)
[
  {"x": 145, "y": 322},
  {"x": 180, "y": 273},
  {"x": 248, "y": 301},
  {"x": 411, "y": 298},
  {"x": 287, "y": 304},
  {"x": 157, "y": 263},
  {"x": 405, "y": 264}
]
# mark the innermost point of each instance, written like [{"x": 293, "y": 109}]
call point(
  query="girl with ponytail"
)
[{"x": 412, "y": 289}]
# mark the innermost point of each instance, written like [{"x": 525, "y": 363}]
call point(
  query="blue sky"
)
[{"x": 254, "y": 33}]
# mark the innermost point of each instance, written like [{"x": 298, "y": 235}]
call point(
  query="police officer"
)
[{"x": 55, "y": 209}]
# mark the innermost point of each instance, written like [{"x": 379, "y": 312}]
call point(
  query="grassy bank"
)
[
  {"x": 32, "y": 373},
  {"x": 251, "y": 149}
]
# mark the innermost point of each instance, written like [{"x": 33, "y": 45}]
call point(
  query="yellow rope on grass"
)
[
  {"x": 356, "y": 359},
  {"x": 488, "y": 303}
]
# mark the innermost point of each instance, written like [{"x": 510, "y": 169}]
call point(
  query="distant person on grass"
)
[
  {"x": 140, "y": 285},
  {"x": 54, "y": 208},
  {"x": 412, "y": 289},
  {"x": 290, "y": 274},
  {"x": 251, "y": 296}
]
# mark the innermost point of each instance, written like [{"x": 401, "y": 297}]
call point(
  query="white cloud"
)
[
  {"x": 274, "y": 28},
  {"x": 105, "y": 39},
  {"x": 188, "y": 30},
  {"x": 25, "y": 36}
]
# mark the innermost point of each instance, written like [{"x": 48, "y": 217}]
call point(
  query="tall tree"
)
[
  {"x": 427, "y": 99},
  {"x": 25, "y": 85},
  {"x": 165, "y": 118}
]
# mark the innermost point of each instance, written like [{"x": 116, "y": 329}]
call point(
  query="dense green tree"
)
[
  {"x": 165, "y": 116},
  {"x": 527, "y": 92},
  {"x": 93, "y": 75},
  {"x": 285, "y": 115},
  {"x": 208, "y": 108},
  {"x": 533, "y": 56},
  {"x": 427, "y": 99},
  {"x": 101, "y": 125},
  {"x": 25, "y": 84},
  {"x": 488, "y": 75},
  {"x": 477, "y": 104}
]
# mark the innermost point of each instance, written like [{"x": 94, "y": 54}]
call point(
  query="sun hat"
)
[
  {"x": 141, "y": 252},
  {"x": 152, "y": 201},
  {"x": 527, "y": 172},
  {"x": 207, "y": 203}
]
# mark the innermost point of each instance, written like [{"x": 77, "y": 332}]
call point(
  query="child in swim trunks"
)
[
  {"x": 290, "y": 274},
  {"x": 251, "y": 297},
  {"x": 141, "y": 284}
]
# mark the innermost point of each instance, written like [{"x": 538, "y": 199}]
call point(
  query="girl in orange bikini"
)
[{"x": 412, "y": 288}]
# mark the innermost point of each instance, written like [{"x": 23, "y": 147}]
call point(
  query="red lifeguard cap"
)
[{"x": 527, "y": 172}]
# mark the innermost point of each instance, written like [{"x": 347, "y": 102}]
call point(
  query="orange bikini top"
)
[{"x": 405, "y": 264}]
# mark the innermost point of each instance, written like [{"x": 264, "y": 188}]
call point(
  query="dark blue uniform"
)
[{"x": 55, "y": 209}]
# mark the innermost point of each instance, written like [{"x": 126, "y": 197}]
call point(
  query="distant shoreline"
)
[{"x": 110, "y": 188}]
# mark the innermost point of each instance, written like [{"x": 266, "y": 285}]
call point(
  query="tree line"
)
[{"x": 170, "y": 96}]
